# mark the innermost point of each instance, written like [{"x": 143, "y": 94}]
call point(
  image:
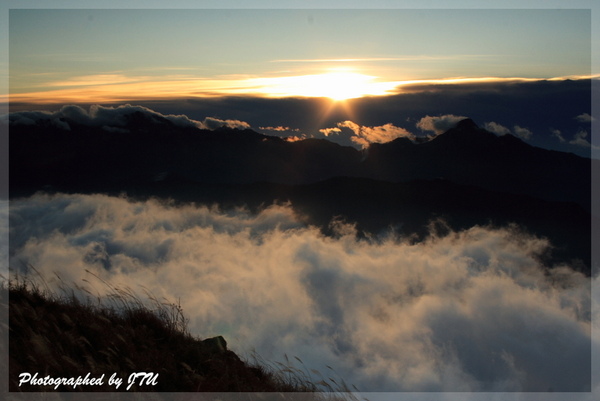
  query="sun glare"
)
[{"x": 338, "y": 86}]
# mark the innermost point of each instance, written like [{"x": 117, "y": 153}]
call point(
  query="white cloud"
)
[
  {"x": 330, "y": 131},
  {"x": 585, "y": 118},
  {"x": 557, "y": 134},
  {"x": 33, "y": 117},
  {"x": 470, "y": 311},
  {"x": 114, "y": 118},
  {"x": 439, "y": 124},
  {"x": 295, "y": 138},
  {"x": 496, "y": 128},
  {"x": 580, "y": 139},
  {"x": 280, "y": 129},
  {"x": 213, "y": 123},
  {"x": 517, "y": 131},
  {"x": 364, "y": 135},
  {"x": 522, "y": 133}
]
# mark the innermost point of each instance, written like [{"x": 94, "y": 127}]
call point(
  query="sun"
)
[
  {"x": 340, "y": 85},
  {"x": 335, "y": 85}
]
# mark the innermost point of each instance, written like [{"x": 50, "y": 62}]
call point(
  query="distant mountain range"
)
[{"x": 466, "y": 175}]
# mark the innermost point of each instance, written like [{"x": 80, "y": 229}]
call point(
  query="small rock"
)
[{"x": 215, "y": 344}]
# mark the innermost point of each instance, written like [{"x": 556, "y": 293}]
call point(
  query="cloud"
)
[
  {"x": 295, "y": 138},
  {"x": 467, "y": 311},
  {"x": 439, "y": 124},
  {"x": 280, "y": 129},
  {"x": 580, "y": 139},
  {"x": 113, "y": 119},
  {"x": 496, "y": 128},
  {"x": 364, "y": 136},
  {"x": 585, "y": 118},
  {"x": 286, "y": 133},
  {"x": 212, "y": 123},
  {"x": 93, "y": 80},
  {"x": 33, "y": 117},
  {"x": 330, "y": 131},
  {"x": 522, "y": 133},
  {"x": 517, "y": 131},
  {"x": 556, "y": 133}
]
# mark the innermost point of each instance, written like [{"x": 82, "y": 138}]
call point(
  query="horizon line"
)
[{"x": 110, "y": 91}]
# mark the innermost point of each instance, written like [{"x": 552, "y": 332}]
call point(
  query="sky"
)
[
  {"x": 119, "y": 55},
  {"x": 289, "y": 71},
  {"x": 318, "y": 72}
]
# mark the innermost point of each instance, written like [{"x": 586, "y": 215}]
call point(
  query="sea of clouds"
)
[{"x": 468, "y": 311}]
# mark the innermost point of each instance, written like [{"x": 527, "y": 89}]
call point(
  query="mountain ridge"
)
[
  {"x": 466, "y": 173},
  {"x": 42, "y": 156}
]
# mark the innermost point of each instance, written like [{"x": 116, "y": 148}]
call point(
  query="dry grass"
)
[{"x": 67, "y": 335}]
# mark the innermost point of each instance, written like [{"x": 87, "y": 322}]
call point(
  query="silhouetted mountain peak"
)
[
  {"x": 468, "y": 130},
  {"x": 398, "y": 143},
  {"x": 466, "y": 124},
  {"x": 465, "y": 132},
  {"x": 139, "y": 147}
]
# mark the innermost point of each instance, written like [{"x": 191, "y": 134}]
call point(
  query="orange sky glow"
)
[{"x": 335, "y": 84}]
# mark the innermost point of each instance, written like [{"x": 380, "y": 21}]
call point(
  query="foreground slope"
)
[{"x": 62, "y": 337}]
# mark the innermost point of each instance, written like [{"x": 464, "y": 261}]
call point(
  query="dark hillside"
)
[
  {"x": 470, "y": 155},
  {"x": 93, "y": 159},
  {"x": 63, "y": 337}
]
